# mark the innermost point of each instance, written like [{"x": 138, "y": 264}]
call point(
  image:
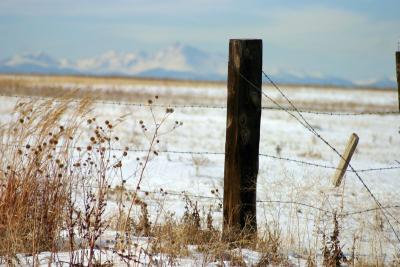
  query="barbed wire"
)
[
  {"x": 121, "y": 103},
  {"x": 165, "y": 192},
  {"x": 223, "y": 154},
  {"x": 369, "y": 210},
  {"x": 198, "y": 106},
  {"x": 327, "y": 166}
]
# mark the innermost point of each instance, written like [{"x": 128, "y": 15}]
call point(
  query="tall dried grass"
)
[{"x": 34, "y": 152}]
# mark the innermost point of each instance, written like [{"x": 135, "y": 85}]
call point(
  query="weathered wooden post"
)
[
  {"x": 344, "y": 162},
  {"x": 242, "y": 138},
  {"x": 398, "y": 74}
]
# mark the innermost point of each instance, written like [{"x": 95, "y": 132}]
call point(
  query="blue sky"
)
[{"x": 352, "y": 39}]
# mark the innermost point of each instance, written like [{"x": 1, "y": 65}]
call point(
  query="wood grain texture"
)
[{"x": 242, "y": 137}]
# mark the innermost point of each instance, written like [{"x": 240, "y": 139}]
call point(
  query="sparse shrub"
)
[{"x": 95, "y": 167}]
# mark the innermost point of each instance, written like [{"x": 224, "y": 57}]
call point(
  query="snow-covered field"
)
[{"x": 283, "y": 186}]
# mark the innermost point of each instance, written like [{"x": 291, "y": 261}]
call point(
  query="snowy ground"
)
[{"x": 203, "y": 130}]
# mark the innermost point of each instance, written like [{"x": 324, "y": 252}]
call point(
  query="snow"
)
[{"x": 203, "y": 130}]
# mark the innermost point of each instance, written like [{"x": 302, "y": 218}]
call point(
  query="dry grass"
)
[
  {"x": 55, "y": 86},
  {"x": 176, "y": 238},
  {"x": 34, "y": 177},
  {"x": 105, "y": 80}
]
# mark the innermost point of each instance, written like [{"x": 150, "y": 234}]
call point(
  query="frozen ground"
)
[{"x": 279, "y": 181}]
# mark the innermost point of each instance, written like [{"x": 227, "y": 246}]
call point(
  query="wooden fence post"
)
[
  {"x": 242, "y": 138},
  {"x": 344, "y": 162},
  {"x": 398, "y": 74}
]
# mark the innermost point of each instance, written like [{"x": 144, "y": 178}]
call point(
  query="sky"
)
[{"x": 351, "y": 39}]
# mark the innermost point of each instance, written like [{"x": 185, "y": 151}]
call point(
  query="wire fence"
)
[
  {"x": 207, "y": 153},
  {"x": 293, "y": 111},
  {"x": 217, "y": 107},
  {"x": 165, "y": 192}
]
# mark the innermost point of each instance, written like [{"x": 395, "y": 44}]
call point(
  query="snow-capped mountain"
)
[
  {"x": 38, "y": 59},
  {"x": 176, "y": 61},
  {"x": 34, "y": 63}
]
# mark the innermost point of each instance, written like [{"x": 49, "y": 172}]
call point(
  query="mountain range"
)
[{"x": 176, "y": 61}]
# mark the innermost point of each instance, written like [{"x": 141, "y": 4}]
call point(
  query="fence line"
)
[
  {"x": 222, "y": 153},
  {"x": 178, "y": 106},
  {"x": 278, "y": 107},
  {"x": 165, "y": 192}
]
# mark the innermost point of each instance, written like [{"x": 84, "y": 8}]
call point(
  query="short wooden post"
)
[
  {"x": 344, "y": 162},
  {"x": 398, "y": 75},
  {"x": 242, "y": 138}
]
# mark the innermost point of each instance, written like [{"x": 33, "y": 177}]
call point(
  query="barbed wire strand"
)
[
  {"x": 165, "y": 192},
  {"x": 197, "y": 106},
  {"x": 326, "y": 166},
  {"x": 222, "y": 153}
]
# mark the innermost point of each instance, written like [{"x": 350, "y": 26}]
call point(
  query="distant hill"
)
[{"x": 177, "y": 61}]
